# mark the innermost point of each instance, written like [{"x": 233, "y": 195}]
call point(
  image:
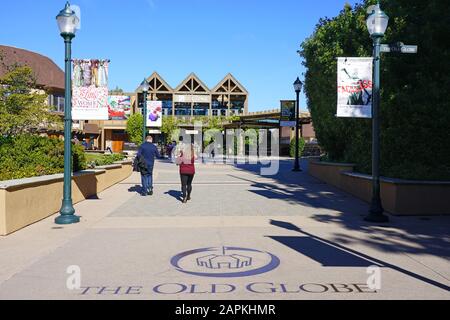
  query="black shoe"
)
[
  {"x": 150, "y": 193},
  {"x": 185, "y": 200},
  {"x": 189, "y": 197}
]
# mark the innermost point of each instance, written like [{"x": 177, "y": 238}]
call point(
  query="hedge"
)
[
  {"x": 415, "y": 104},
  {"x": 28, "y": 156}
]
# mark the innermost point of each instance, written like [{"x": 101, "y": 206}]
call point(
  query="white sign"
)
[
  {"x": 154, "y": 114},
  {"x": 196, "y": 98},
  {"x": 355, "y": 87}
]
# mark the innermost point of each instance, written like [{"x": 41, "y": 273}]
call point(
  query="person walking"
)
[
  {"x": 186, "y": 160},
  {"x": 146, "y": 160}
]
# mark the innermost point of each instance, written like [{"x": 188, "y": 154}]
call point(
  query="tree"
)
[
  {"x": 23, "y": 108},
  {"x": 414, "y": 89},
  {"x": 117, "y": 91},
  {"x": 134, "y": 128},
  {"x": 169, "y": 127}
]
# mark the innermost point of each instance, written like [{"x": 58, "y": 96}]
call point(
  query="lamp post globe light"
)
[
  {"x": 298, "y": 88},
  {"x": 144, "y": 88},
  {"x": 67, "y": 22},
  {"x": 377, "y": 23}
]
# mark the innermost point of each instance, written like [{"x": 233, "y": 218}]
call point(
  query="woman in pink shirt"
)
[{"x": 186, "y": 160}]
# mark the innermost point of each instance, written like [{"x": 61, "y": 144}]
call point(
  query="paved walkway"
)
[{"x": 243, "y": 236}]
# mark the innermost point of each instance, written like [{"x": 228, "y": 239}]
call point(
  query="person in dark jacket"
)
[
  {"x": 146, "y": 160},
  {"x": 186, "y": 160}
]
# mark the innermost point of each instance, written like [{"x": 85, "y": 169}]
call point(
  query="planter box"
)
[
  {"x": 26, "y": 201},
  {"x": 398, "y": 196}
]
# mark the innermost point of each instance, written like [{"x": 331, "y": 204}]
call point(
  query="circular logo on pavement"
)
[{"x": 225, "y": 262}]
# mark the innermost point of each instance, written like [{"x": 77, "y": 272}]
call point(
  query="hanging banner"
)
[
  {"x": 154, "y": 114},
  {"x": 90, "y": 90},
  {"x": 119, "y": 107},
  {"x": 288, "y": 114},
  {"x": 355, "y": 87}
]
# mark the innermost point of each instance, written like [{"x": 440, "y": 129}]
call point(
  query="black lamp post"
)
[
  {"x": 377, "y": 23},
  {"x": 67, "y": 23},
  {"x": 298, "y": 88},
  {"x": 144, "y": 88}
]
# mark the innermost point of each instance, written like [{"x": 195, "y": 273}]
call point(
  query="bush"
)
[
  {"x": 415, "y": 106},
  {"x": 134, "y": 128},
  {"x": 301, "y": 147},
  {"x": 27, "y": 156},
  {"x": 96, "y": 160}
]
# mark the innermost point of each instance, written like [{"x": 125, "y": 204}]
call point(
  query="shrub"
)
[
  {"x": 415, "y": 106},
  {"x": 301, "y": 147},
  {"x": 27, "y": 156}
]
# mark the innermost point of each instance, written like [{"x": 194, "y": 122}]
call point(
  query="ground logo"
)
[{"x": 225, "y": 262}]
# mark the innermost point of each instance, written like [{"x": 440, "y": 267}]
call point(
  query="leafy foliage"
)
[
  {"x": 23, "y": 108},
  {"x": 95, "y": 160},
  {"x": 134, "y": 128},
  {"x": 301, "y": 147},
  {"x": 415, "y": 117},
  {"x": 27, "y": 156}
]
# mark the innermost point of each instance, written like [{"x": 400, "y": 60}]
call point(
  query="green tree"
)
[
  {"x": 301, "y": 147},
  {"x": 414, "y": 96},
  {"x": 23, "y": 108},
  {"x": 116, "y": 91},
  {"x": 169, "y": 127},
  {"x": 134, "y": 128}
]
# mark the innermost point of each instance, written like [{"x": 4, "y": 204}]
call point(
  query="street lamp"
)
[
  {"x": 144, "y": 88},
  {"x": 377, "y": 23},
  {"x": 67, "y": 23},
  {"x": 298, "y": 88}
]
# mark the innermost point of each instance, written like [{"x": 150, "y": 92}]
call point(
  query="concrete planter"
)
[
  {"x": 399, "y": 197},
  {"x": 26, "y": 201}
]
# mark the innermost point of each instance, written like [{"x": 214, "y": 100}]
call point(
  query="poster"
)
[
  {"x": 355, "y": 87},
  {"x": 154, "y": 114},
  {"x": 90, "y": 90},
  {"x": 119, "y": 107},
  {"x": 288, "y": 114}
]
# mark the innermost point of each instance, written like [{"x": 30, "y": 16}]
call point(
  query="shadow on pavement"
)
[
  {"x": 334, "y": 249},
  {"x": 174, "y": 193},
  {"x": 403, "y": 234}
]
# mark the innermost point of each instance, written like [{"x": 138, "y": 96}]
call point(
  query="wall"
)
[
  {"x": 399, "y": 197},
  {"x": 22, "y": 202}
]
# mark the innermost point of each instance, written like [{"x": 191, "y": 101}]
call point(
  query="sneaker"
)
[
  {"x": 189, "y": 197},
  {"x": 150, "y": 193},
  {"x": 185, "y": 200}
]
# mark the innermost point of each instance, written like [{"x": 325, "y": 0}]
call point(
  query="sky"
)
[{"x": 255, "y": 40}]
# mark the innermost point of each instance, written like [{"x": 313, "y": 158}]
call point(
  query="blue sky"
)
[{"x": 256, "y": 40}]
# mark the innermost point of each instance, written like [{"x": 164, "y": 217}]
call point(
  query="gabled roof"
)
[
  {"x": 47, "y": 73},
  {"x": 192, "y": 83},
  {"x": 229, "y": 84},
  {"x": 157, "y": 83}
]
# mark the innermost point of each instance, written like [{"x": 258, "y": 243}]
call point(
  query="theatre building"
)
[{"x": 191, "y": 98}]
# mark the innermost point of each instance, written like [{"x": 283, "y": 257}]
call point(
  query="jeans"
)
[
  {"x": 186, "y": 184},
  {"x": 147, "y": 182}
]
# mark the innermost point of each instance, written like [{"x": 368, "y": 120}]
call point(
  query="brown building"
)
[{"x": 49, "y": 77}]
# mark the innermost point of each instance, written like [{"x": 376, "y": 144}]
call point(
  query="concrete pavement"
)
[{"x": 243, "y": 236}]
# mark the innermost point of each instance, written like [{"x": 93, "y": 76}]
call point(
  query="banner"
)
[
  {"x": 90, "y": 90},
  {"x": 288, "y": 114},
  {"x": 154, "y": 114},
  {"x": 355, "y": 87},
  {"x": 119, "y": 107}
]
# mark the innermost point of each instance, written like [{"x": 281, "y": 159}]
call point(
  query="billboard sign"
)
[
  {"x": 119, "y": 107},
  {"x": 355, "y": 87},
  {"x": 288, "y": 114},
  {"x": 90, "y": 89},
  {"x": 154, "y": 114}
]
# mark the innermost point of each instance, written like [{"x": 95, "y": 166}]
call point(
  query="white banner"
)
[
  {"x": 355, "y": 87},
  {"x": 154, "y": 114},
  {"x": 90, "y": 89}
]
